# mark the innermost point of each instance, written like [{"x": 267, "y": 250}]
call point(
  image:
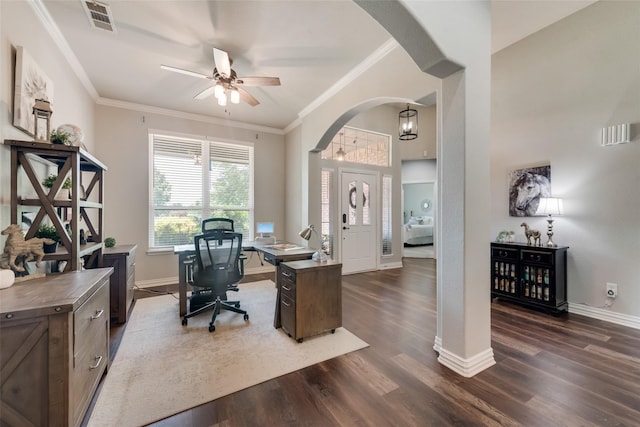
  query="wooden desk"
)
[{"x": 271, "y": 255}]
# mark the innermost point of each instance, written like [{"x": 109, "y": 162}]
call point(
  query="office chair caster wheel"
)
[
  {"x": 300, "y": 340},
  {"x": 212, "y": 328},
  {"x": 238, "y": 306},
  {"x": 246, "y": 317},
  {"x": 333, "y": 331},
  {"x": 184, "y": 322}
]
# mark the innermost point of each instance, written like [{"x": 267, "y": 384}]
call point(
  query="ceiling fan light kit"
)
[{"x": 226, "y": 81}]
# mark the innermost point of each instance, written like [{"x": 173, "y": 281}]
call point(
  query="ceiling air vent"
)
[{"x": 99, "y": 15}]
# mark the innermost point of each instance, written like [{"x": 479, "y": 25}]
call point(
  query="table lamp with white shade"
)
[{"x": 550, "y": 206}]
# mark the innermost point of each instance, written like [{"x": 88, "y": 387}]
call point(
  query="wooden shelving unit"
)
[{"x": 83, "y": 209}]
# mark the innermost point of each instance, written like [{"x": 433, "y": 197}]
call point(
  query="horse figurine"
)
[
  {"x": 531, "y": 233},
  {"x": 16, "y": 247}
]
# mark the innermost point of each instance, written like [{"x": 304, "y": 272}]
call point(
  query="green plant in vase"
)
[
  {"x": 60, "y": 137},
  {"x": 109, "y": 242},
  {"x": 51, "y": 179},
  {"x": 48, "y": 232}
]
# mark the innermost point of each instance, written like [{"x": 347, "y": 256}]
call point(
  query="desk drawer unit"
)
[
  {"x": 310, "y": 297},
  {"x": 123, "y": 260}
]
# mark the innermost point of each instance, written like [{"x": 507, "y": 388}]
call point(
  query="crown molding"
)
[
  {"x": 56, "y": 35},
  {"x": 182, "y": 115},
  {"x": 386, "y": 48}
]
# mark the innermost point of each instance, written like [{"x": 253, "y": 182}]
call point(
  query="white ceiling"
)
[{"x": 310, "y": 45}]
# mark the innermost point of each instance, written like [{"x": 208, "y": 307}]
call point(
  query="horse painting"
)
[
  {"x": 16, "y": 247},
  {"x": 527, "y": 186}
]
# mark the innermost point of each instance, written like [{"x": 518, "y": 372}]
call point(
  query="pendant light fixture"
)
[
  {"x": 341, "y": 153},
  {"x": 408, "y": 124}
]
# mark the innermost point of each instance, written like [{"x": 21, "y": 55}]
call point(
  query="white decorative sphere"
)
[
  {"x": 7, "y": 277},
  {"x": 76, "y": 136}
]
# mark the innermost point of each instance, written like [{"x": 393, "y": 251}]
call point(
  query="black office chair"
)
[
  {"x": 210, "y": 224},
  {"x": 217, "y": 268}
]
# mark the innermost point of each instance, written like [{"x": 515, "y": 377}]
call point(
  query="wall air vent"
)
[{"x": 99, "y": 15}]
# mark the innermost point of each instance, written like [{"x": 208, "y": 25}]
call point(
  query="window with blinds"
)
[
  {"x": 327, "y": 211},
  {"x": 194, "y": 179},
  {"x": 387, "y": 237}
]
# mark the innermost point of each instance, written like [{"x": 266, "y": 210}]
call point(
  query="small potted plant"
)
[
  {"x": 48, "y": 232},
  {"x": 109, "y": 242},
  {"x": 60, "y": 137},
  {"x": 48, "y": 182}
]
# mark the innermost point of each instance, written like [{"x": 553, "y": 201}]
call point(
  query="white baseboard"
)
[
  {"x": 604, "y": 314},
  {"x": 467, "y": 367},
  {"x": 164, "y": 281},
  {"x": 437, "y": 344},
  {"x": 390, "y": 265}
]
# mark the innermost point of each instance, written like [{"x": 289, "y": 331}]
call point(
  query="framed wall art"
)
[
  {"x": 31, "y": 84},
  {"x": 526, "y": 187}
]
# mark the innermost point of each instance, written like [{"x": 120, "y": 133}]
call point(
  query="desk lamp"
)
[
  {"x": 318, "y": 255},
  {"x": 550, "y": 206}
]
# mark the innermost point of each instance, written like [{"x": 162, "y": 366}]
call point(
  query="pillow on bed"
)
[
  {"x": 427, "y": 220},
  {"x": 415, "y": 220}
]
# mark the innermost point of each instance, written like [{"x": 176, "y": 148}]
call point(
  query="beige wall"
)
[
  {"x": 71, "y": 102},
  {"x": 123, "y": 145},
  {"x": 552, "y": 93},
  {"x": 426, "y": 140},
  {"x": 369, "y": 90}
]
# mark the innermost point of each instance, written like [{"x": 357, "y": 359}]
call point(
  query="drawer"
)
[
  {"x": 270, "y": 258},
  {"x": 288, "y": 314},
  {"x": 89, "y": 363},
  {"x": 538, "y": 257},
  {"x": 88, "y": 319},
  {"x": 131, "y": 264},
  {"x": 504, "y": 253},
  {"x": 288, "y": 283}
]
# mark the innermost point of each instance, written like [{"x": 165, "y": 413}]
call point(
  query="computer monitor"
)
[{"x": 264, "y": 229}]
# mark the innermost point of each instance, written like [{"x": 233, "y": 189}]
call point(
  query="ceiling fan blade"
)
[
  {"x": 205, "y": 93},
  {"x": 221, "y": 58},
  {"x": 258, "y": 81},
  {"x": 247, "y": 97},
  {"x": 187, "y": 72}
]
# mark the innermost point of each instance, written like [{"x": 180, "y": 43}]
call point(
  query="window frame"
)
[{"x": 205, "y": 209}]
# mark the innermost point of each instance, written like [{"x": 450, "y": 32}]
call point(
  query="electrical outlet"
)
[{"x": 612, "y": 290}]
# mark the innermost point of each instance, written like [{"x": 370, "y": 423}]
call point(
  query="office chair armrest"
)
[
  {"x": 241, "y": 264},
  {"x": 189, "y": 264}
]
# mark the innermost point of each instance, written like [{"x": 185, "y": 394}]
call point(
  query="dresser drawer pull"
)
[
  {"x": 98, "y": 360},
  {"x": 285, "y": 303},
  {"x": 534, "y": 257},
  {"x": 285, "y": 288},
  {"x": 285, "y": 274},
  {"x": 504, "y": 254},
  {"x": 97, "y": 315}
]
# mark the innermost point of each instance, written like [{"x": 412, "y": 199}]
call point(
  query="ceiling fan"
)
[{"x": 226, "y": 81}]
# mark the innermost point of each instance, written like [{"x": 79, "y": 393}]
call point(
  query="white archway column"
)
[{"x": 451, "y": 40}]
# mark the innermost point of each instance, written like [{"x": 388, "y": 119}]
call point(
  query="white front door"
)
[{"x": 358, "y": 221}]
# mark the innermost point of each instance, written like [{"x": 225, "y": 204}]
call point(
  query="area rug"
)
[{"x": 162, "y": 368}]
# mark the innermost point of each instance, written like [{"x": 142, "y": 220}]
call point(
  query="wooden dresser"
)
[
  {"x": 123, "y": 260},
  {"x": 54, "y": 347},
  {"x": 310, "y": 297}
]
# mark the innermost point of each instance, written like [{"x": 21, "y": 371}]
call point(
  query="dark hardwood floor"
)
[{"x": 551, "y": 371}]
